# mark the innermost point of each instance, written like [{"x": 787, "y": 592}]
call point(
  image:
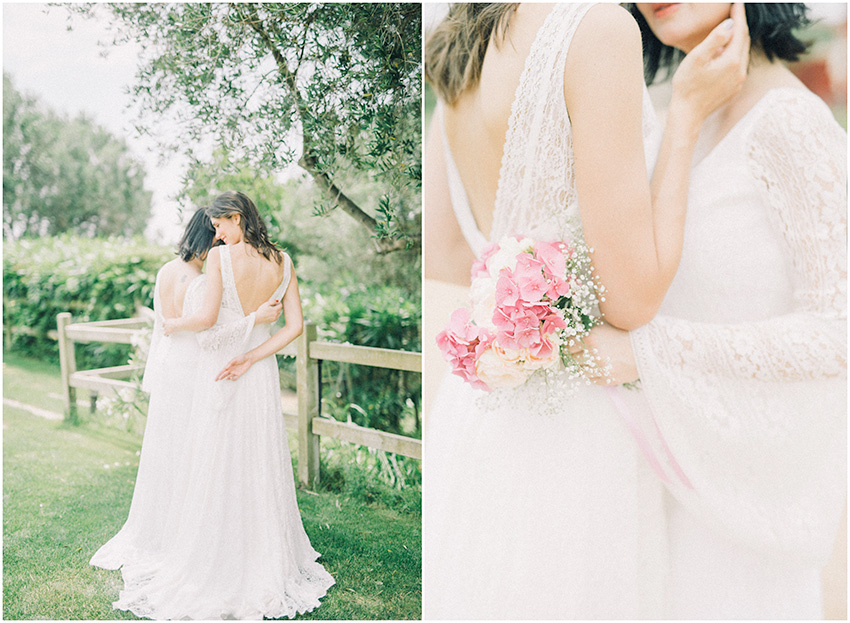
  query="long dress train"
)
[{"x": 237, "y": 547}]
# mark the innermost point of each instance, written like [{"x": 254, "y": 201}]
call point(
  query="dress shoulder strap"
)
[{"x": 229, "y": 296}]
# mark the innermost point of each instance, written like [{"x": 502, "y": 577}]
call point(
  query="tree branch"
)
[{"x": 307, "y": 160}]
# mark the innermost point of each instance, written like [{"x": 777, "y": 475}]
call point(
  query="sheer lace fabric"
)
[
  {"x": 745, "y": 365},
  {"x": 538, "y": 507},
  {"x": 233, "y": 545},
  {"x": 169, "y": 378}
]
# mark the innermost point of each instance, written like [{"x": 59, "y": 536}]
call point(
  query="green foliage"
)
[
  {"x": 379, "y": 316},
  {"x": 94, "y": 279},
  {"x": 67, "y": 490},
  {"x": 334, "y": 87},
  {"x": 66, "y": 175},
  {"x": 328, "y": 249},
  {"x": 371, "y": 476}
]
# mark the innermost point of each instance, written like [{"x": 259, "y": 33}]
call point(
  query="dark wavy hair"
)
[
  {"x": 253, "y": 228},
  {"x": 771, "y": 27},
  {"x": 198, "y": 238},
  {"x": 454, "y": 52}
]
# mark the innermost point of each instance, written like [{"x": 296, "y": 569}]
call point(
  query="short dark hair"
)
[
  {"x": 771, "y": 31},
  {"x": 198, "y": 238}
]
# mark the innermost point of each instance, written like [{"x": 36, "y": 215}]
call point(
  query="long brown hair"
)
[
  {"x": 253, "y": 228},
  {"x": 454, "y": 52}
]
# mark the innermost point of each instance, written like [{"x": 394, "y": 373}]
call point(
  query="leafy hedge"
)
[
  {"x": 93, "y": 278},
  {"x": 379, "y": 316},
  {"x": 102, "y": 279}
]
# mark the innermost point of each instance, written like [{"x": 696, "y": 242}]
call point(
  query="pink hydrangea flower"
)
[
  {"x": 479, "y": 266},
  {"x": 461, "y": 344}
]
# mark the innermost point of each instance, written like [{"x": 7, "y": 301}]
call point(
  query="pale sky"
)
[{"x": 68, "y": 71}]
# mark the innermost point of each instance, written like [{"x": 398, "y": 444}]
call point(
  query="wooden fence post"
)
[
  {"x": 67, "y": 366},
  {"x": 307, "y": 380}
]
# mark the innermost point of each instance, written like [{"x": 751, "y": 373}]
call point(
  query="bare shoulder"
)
[
  {"x": 606, "y": 54},
  {"x": 167, "y": 272},
  {"x": 607, "y": 28},
  {"x": 214, "y": 256},
  {"x": 610, "y": 19}
]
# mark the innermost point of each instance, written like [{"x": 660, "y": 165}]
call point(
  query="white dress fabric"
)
[
  {"x": 169, "y": 378},
  {"x": 745, "y": 366},
  {"x": 535, "y": 507},
  {"x": 233, "y": 544}
]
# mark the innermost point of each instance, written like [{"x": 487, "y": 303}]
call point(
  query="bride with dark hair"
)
[
  {"x": 235, "y": 547},
  {"x": 534, "y": 511},
  {"x": 744, "y": 367}
]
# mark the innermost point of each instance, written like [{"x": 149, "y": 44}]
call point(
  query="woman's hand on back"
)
[
  {"x": 169, "y": 325},
  {"x": 236, "y": 368}
]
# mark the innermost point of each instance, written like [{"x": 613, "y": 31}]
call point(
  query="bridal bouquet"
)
[{"x": 530, "y": 301}]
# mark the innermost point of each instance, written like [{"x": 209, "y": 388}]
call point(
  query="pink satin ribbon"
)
[{"x": 643, "y": 443}]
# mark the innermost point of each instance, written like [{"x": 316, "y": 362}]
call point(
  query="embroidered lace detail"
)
[
  {"x": 537, "y": 194},
  {"x": 537, "y": 191},
  {"x": 736, "y": 401}
]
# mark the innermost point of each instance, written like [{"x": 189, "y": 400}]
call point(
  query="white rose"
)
[
  {"x": 482, "y": 294},
  {"x": 505, "y": 257},
  {"x": 498, "y": 373}
]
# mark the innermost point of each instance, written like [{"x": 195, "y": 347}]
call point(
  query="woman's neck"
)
[{"x": 763, "y": 75}]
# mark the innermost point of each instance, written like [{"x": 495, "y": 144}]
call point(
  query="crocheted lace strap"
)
[
  {"x": 460, "y": 202},
  {"x": 536, "y": 194},
  {"x": 287, "y": 277},
  {"x": 229, "y": 296}
]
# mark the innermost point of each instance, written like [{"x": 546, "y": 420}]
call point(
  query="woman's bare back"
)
[
  {"x": 256, "y": 277},
  {"x": 174, "y": 279},
  {"x": 478, "y": 122}
]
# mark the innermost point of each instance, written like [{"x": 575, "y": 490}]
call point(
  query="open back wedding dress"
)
[
  {"x": 233, "y": 544},
  {"x": 538, "y": 508}
]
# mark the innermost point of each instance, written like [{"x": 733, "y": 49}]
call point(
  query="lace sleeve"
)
[
  {"x": 735, "y": 402},
  {"x": 804, "y": 180},
  {"x": 229, "y": 336}
]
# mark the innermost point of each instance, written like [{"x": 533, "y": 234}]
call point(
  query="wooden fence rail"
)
[{"x": 308, "y": 352}]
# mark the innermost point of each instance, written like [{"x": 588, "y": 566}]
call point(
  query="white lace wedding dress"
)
[
  {"x": 534, "y": 510},
  {"x": 234, "y": 546},
  {"x": 745, "y": 366},
  {"x": 169, "y": 379},
  {"x": 539, "y": 513}
]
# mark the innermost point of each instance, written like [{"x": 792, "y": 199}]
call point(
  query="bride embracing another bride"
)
[
  {"x": 544, "y": 503},
  {"x": 229, "y": 541}
]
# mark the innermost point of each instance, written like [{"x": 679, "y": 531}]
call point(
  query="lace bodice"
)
[
  {"x": 233, "y": 327},
  {"x": 752, "y": 333}
]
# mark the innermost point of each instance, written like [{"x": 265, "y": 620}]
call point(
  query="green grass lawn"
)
[{"x": 67, "y": 490}]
